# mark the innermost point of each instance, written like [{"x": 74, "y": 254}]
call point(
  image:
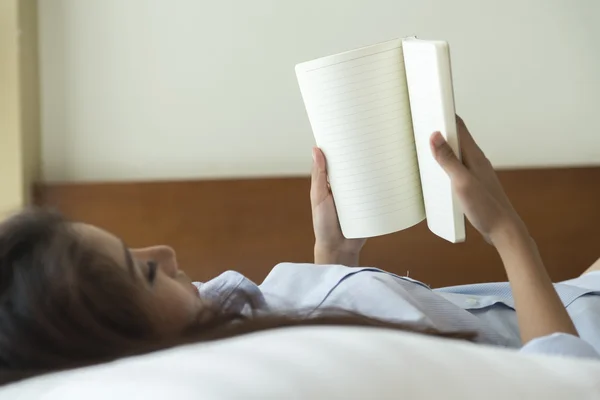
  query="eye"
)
[{"x": 152, "y": 266}]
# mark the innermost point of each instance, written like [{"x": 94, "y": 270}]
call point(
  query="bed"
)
[{"x": 251, "y": 224}]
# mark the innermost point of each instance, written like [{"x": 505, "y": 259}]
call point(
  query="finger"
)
[
  {"x": 319, "y": 188},
  {"x": 444, "y": 155}
]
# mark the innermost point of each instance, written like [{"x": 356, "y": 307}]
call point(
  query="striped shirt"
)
[{"x": 487, "y": 308}]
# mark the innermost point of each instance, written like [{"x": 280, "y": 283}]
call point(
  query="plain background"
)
[{"x": 180, "y": 89}]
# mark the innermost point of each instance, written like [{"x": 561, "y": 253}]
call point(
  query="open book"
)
[{"x": 372, "y": 112}]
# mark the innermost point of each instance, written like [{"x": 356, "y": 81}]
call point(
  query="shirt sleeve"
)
[{"x": 561, "y": 344}]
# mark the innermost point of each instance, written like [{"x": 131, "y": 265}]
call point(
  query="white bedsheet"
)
[{"x": 324, "y": 363}]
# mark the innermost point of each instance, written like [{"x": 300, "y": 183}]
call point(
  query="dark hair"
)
[{"x": 62, "y": 305}]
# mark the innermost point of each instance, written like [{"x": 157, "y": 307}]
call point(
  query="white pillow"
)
[{"x": 324, "y": 363}]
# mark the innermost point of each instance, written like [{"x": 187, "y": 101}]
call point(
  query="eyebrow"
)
[{"x": 129, "y": 260}]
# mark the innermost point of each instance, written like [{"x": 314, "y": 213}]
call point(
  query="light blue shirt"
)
[{"x": 488, "y": 308}]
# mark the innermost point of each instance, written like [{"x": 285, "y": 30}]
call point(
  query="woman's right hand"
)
[{"x": 477, "y": 186}]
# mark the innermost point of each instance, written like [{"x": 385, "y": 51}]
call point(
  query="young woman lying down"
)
[{"x": 72, "y": 294}]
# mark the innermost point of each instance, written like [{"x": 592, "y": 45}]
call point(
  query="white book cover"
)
[{"x": 372, "y": 111}]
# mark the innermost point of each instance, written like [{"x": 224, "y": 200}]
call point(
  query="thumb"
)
[
  {"x": 319, "y": 189},
  {"x": 444, "y": 155}
]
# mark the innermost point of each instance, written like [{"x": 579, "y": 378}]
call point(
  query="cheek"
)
[{"x": 175, "y": 307}]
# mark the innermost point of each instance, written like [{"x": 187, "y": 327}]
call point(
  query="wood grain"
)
[{"x": 252, "y": 224}]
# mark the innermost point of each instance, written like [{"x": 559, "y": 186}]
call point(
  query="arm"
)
[
  {"x": 540, "y": 311},
  {"x": 324, "y": 256}
]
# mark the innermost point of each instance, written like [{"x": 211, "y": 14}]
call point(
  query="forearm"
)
[
  {"x": 325, "y": 256},
  {"x": 540, "y": 311}
]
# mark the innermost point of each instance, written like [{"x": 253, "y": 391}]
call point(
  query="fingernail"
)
[
  {"x": 438, "y": 140},
  {"x": 314, "y": 156}
]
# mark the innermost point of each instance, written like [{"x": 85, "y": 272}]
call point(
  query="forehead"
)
[{"x": 102, "y": 240}]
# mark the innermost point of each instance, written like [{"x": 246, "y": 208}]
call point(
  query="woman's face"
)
[{"x": 171, "y": 297}]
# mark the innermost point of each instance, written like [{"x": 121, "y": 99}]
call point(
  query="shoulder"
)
[
  {"x": 322, "y": 279},
  {"x": 293, "y": 285}
]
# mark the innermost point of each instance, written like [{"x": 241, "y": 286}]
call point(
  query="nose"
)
[{"x": 164, "y": 257}]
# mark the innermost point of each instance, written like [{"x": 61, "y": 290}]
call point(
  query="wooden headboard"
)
[{"x": 251, "y": 224}]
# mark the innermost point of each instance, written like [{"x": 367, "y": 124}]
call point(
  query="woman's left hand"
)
[{"x": 331, "y": 247}]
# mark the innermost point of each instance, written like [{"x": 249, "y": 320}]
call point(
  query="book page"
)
[
  {"x": 357, "y": 104},
  {"x": 429, "y": 80}
]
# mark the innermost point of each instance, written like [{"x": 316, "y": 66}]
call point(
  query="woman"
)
[{"x": 72, "y": 294}]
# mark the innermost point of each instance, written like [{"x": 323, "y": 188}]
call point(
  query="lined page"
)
[
  {"x": 431, "y": 95},
  {"x": 357, "y": 104}
]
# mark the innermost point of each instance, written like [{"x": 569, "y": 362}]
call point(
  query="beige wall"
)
[
  {"x": 143, "y": 89},
  {"x": 11, "y": 177},
  {"x": 19, "y": 115},
  {"x": 29, "y": 94}
]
